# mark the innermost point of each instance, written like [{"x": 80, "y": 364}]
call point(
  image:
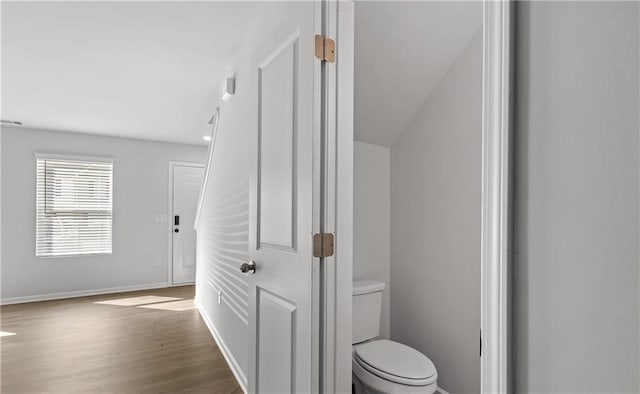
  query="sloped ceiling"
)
[{"x": 402, "y": 51}]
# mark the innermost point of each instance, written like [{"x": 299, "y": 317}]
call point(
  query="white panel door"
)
[
  {"x": 285, "y": 79},
  {"x": 187, "y": 181}
]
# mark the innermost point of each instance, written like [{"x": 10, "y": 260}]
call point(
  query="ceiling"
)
[
  {"x": 402, "y": 51},
  {"x": 148, "y": 70},
  {"x": 153, "y": 70}
]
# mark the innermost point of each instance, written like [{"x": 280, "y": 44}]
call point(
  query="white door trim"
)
[
  {"x": 172, "y": 164},
  {"x": 338, "y": 195},
  {"x": 496, "y": 197}
]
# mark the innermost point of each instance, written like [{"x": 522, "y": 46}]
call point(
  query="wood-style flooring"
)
[{"x": 79, "y": 346}]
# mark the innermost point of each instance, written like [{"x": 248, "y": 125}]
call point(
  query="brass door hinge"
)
[
  {"x": 323, "y": 245},
  {"x": 325, "y": 49}
]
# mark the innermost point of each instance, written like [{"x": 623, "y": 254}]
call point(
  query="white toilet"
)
[{"x": 381, "y": 366}]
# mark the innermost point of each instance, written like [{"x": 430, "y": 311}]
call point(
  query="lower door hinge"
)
[
  {"x": 323, "y": 245},
  {"x": 325, "y": 49}
]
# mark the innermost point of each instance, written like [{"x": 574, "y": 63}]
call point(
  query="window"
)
[{"x": 73, "y": 205}]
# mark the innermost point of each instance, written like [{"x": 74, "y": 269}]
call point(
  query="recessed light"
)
[
  {"x": 206, "y": 138},
  {"x": 6, "y": 334}
]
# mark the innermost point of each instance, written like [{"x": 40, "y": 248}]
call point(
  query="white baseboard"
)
[
  {"x": 442, "y": 391},
  {"x": 80, "y": 293},
  {"x": 231, "y": 361}
]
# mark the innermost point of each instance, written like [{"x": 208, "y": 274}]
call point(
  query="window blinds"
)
[{"x": 74, "y": 207}]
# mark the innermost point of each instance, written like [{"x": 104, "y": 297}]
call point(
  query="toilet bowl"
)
[{"x": 381, "y": 366}]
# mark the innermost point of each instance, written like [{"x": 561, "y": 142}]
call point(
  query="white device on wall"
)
[{"x": 229, "y": 89}]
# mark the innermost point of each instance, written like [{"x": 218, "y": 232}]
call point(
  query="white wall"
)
[
  {"x": 223, "y": 229},
  {"x": 223, "y": 233},
  {"x": 371, "y": 220},
  {"x": 139, "y": 193},
  {"x": 435, "y": 226},
  {"x": 577, "y": 192}
]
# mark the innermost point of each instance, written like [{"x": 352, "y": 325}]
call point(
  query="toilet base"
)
[{"x": 366, "y": 383}]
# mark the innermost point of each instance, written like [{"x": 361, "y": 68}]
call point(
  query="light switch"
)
[{"x": 161, "y": 218}]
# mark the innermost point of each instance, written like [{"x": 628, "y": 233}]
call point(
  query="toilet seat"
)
[{"x": 395, "y": 362}]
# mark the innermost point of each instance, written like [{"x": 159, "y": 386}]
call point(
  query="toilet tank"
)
[{"x": 367, "y": 305}]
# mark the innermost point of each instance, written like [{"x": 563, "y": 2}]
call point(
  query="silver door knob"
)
[{"x": 249, "y": 267}]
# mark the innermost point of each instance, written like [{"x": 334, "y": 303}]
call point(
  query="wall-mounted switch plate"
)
[
  {"x": 158, "y": 261},
  {"x": 161, "y": 218},
  {"x": 219, "y": 297}
]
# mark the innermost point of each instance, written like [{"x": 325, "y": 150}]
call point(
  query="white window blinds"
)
[{"x": 74, "y": 206}]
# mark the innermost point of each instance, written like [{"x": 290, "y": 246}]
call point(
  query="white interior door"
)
[
  {"x": 185, "y": 190},
  {"x": 285, "y": 78}
]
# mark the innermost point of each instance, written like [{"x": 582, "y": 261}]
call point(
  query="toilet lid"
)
[{"x": 396, "y": 362}]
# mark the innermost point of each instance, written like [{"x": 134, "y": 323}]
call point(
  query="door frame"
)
[
  {"x": 497, "y": 196},
  {"x": 338, "y": 198},
  {"x": 172, "y": 164}
]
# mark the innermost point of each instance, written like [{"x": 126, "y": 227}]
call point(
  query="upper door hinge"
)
[
  {"x": 325, "y": 49},
  {"x": 323, "y": 245}
]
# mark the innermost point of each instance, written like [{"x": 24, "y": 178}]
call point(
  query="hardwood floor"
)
[{"x": 79, "y": 346}]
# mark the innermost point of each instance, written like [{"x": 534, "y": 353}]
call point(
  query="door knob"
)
[{"x": 249, "y": 267}]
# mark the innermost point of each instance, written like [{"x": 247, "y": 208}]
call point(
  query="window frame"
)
[{"x": 78, "y": 158}]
